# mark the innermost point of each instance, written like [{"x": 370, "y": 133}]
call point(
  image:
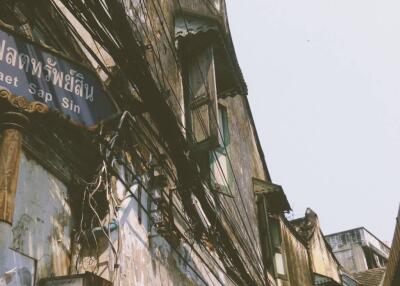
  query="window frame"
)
[
  {"x": 270, "y": 248},
  {"x": 221, "y": 151}
]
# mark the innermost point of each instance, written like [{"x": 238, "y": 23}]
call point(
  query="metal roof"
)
[{"x": 371, "y": 277}]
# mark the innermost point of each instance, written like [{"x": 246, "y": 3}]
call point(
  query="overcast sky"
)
[{"x": 324, "y": 87}]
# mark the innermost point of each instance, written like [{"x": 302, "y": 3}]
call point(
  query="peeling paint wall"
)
[
  {"x": 246, "y": 165},
  {"x": 296, "y": 259},
  {"x": 145, "y": 259},
  {"x": 322, "y": 260},
  {"x": 42, "y": 221}
]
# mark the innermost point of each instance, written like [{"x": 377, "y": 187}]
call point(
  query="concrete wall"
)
[
  {"x": 352, "y": 258},
  {"x": 42, "y": 224},
  {"x": 378, "y": 245},
  {"x": 348, "y": 248},
  {"x": 344, "y": 239}
]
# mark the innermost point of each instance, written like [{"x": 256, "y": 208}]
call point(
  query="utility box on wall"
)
[{"x": 87, "y": 279}]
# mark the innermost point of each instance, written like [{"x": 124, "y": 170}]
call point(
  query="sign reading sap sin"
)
[{"x": 36, "y": 73}]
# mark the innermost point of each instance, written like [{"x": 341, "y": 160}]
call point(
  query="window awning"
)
[
  {"x": 276, "y": 198},
  {"x": 194, "y": 32},
  {"x": 190, "y": 26}
]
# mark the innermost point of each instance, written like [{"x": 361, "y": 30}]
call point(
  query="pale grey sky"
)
[{"x": 324, "y": 87}]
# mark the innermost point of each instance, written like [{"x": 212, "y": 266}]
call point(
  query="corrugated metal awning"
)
[
  {"x": 277, "y": 200},
  {"x": 185, "y": 26},
  {"x": 194, "y": 30}
]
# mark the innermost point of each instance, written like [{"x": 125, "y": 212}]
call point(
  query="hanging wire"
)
[
  {"x": 220, "y": 169},
  {"x": 134, "y": 196},
  {"x": 203, "y": 129},
  {"x": 130, "y": 118}
]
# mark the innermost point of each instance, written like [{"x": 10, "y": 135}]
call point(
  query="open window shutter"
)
[
  {"x": 203, "y": 98},
  {"x": 266, "y": 242}
]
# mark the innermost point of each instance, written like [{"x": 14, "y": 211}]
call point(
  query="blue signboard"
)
[{"x": 34, "y": 72}]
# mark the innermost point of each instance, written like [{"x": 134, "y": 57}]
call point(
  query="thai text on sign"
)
[{"x": 34, "y": 72}]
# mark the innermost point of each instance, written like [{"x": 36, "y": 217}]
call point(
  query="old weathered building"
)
[
  {"x": 129, "y": 155},
  {"x": 158, "y": 188},
  {"x": 296, "y": 251}
]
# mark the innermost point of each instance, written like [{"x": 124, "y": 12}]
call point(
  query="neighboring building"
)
[
  {"x": 392, "y": 274},
  {"x": 358, "y": 249}
]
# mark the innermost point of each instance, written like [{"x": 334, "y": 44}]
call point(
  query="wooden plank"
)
[{"x": 10, "y": 151}]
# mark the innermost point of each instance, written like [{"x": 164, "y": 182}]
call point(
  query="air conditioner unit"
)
[{"x": 87, "y": 279}]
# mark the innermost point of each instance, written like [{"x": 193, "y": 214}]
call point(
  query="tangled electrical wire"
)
[
  {"x": 118, "y": 41},
  {"x": 91, "y": 221}
]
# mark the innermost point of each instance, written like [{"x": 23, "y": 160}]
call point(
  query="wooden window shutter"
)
[{"x": 203, "y": 99}]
